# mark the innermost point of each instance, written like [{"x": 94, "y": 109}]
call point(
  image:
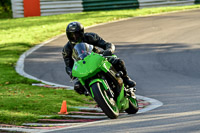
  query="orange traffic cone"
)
[{"x": 63, "y": 109}]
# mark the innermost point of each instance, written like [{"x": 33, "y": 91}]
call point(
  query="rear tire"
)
[
  {"x": 105, "y": 102},
  {"x": 133, "y": 106}
]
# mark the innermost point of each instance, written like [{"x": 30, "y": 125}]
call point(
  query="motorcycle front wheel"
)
[{"x": 105, "y": 101}]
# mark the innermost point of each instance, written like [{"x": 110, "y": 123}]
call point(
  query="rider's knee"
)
[
  {"x": 121, "y": 62},
  {"x": 113, "y": 60}
]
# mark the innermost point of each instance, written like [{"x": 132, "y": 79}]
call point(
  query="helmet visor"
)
[{"x": 74, "y": 36}]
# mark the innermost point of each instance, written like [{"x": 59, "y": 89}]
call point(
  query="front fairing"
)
[{"x": 88, "y": 67}]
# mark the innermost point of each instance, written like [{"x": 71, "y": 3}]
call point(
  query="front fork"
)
[{"x": 122, "y": 101}]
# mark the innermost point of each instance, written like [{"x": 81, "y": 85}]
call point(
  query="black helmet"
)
[{"x": 74, "y": 32}]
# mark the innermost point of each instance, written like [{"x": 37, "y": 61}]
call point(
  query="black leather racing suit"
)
[{"x": 96, "y": 41}]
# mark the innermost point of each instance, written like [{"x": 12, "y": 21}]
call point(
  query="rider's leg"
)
[{"x": 119, "y": 65}]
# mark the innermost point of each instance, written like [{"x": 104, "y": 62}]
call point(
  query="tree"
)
[{"x": 5, "y": 5}]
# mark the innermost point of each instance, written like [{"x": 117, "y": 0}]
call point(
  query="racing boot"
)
[{"x": 128, "y": 81}]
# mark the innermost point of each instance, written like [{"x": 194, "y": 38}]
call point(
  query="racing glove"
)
[{"x": 107, "y": 52}]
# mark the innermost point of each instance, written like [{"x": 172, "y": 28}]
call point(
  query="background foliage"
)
[{"x": 5, "y": 9}]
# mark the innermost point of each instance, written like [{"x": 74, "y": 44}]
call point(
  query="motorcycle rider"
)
[{"x": 75, "y": 34}]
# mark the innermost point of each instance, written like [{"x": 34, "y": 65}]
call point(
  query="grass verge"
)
[
  {"x": 19, "y": 101},
  {"x": 23, "y": 103}
]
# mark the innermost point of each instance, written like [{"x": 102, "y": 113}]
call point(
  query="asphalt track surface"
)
[{"x": 162, "y": 53}]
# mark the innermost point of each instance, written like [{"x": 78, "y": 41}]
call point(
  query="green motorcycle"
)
[{"x": 103, "y": 82}]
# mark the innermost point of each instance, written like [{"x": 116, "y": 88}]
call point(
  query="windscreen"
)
[{"x": 81, "y": 50}]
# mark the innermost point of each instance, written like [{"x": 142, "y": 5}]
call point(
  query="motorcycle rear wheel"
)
[
  {"x": 105, "y": 102},
  {"x": 133, "y": 105}
]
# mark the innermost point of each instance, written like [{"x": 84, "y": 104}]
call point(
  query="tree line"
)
[{"x": 5, "y": 5}]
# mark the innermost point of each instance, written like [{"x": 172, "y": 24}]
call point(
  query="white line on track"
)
[{"x": 154, "y": 104}]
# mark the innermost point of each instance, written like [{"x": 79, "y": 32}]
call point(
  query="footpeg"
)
[
  {"x": 134, "y": 89},
  {"x": 119, "y": 74},
  {"x": 130, "y": 92}
]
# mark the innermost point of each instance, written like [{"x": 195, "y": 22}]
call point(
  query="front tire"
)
[{"x": 105, "y": 102}]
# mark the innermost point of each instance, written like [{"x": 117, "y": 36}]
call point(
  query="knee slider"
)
[{"x": 121, "y": 62}]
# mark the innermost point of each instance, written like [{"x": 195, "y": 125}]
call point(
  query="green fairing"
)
[
  {"x": 106, "y": 66},
  {"x": 87, "y": 67},
  {"x": 91, "y": 65}
]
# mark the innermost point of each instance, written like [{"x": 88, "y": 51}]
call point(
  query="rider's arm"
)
[
  {"x": 96, "y": 40},
  {"x": 67, "y": 56}
]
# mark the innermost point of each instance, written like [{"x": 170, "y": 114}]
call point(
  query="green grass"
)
[{"x": 19, "y": 101}]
